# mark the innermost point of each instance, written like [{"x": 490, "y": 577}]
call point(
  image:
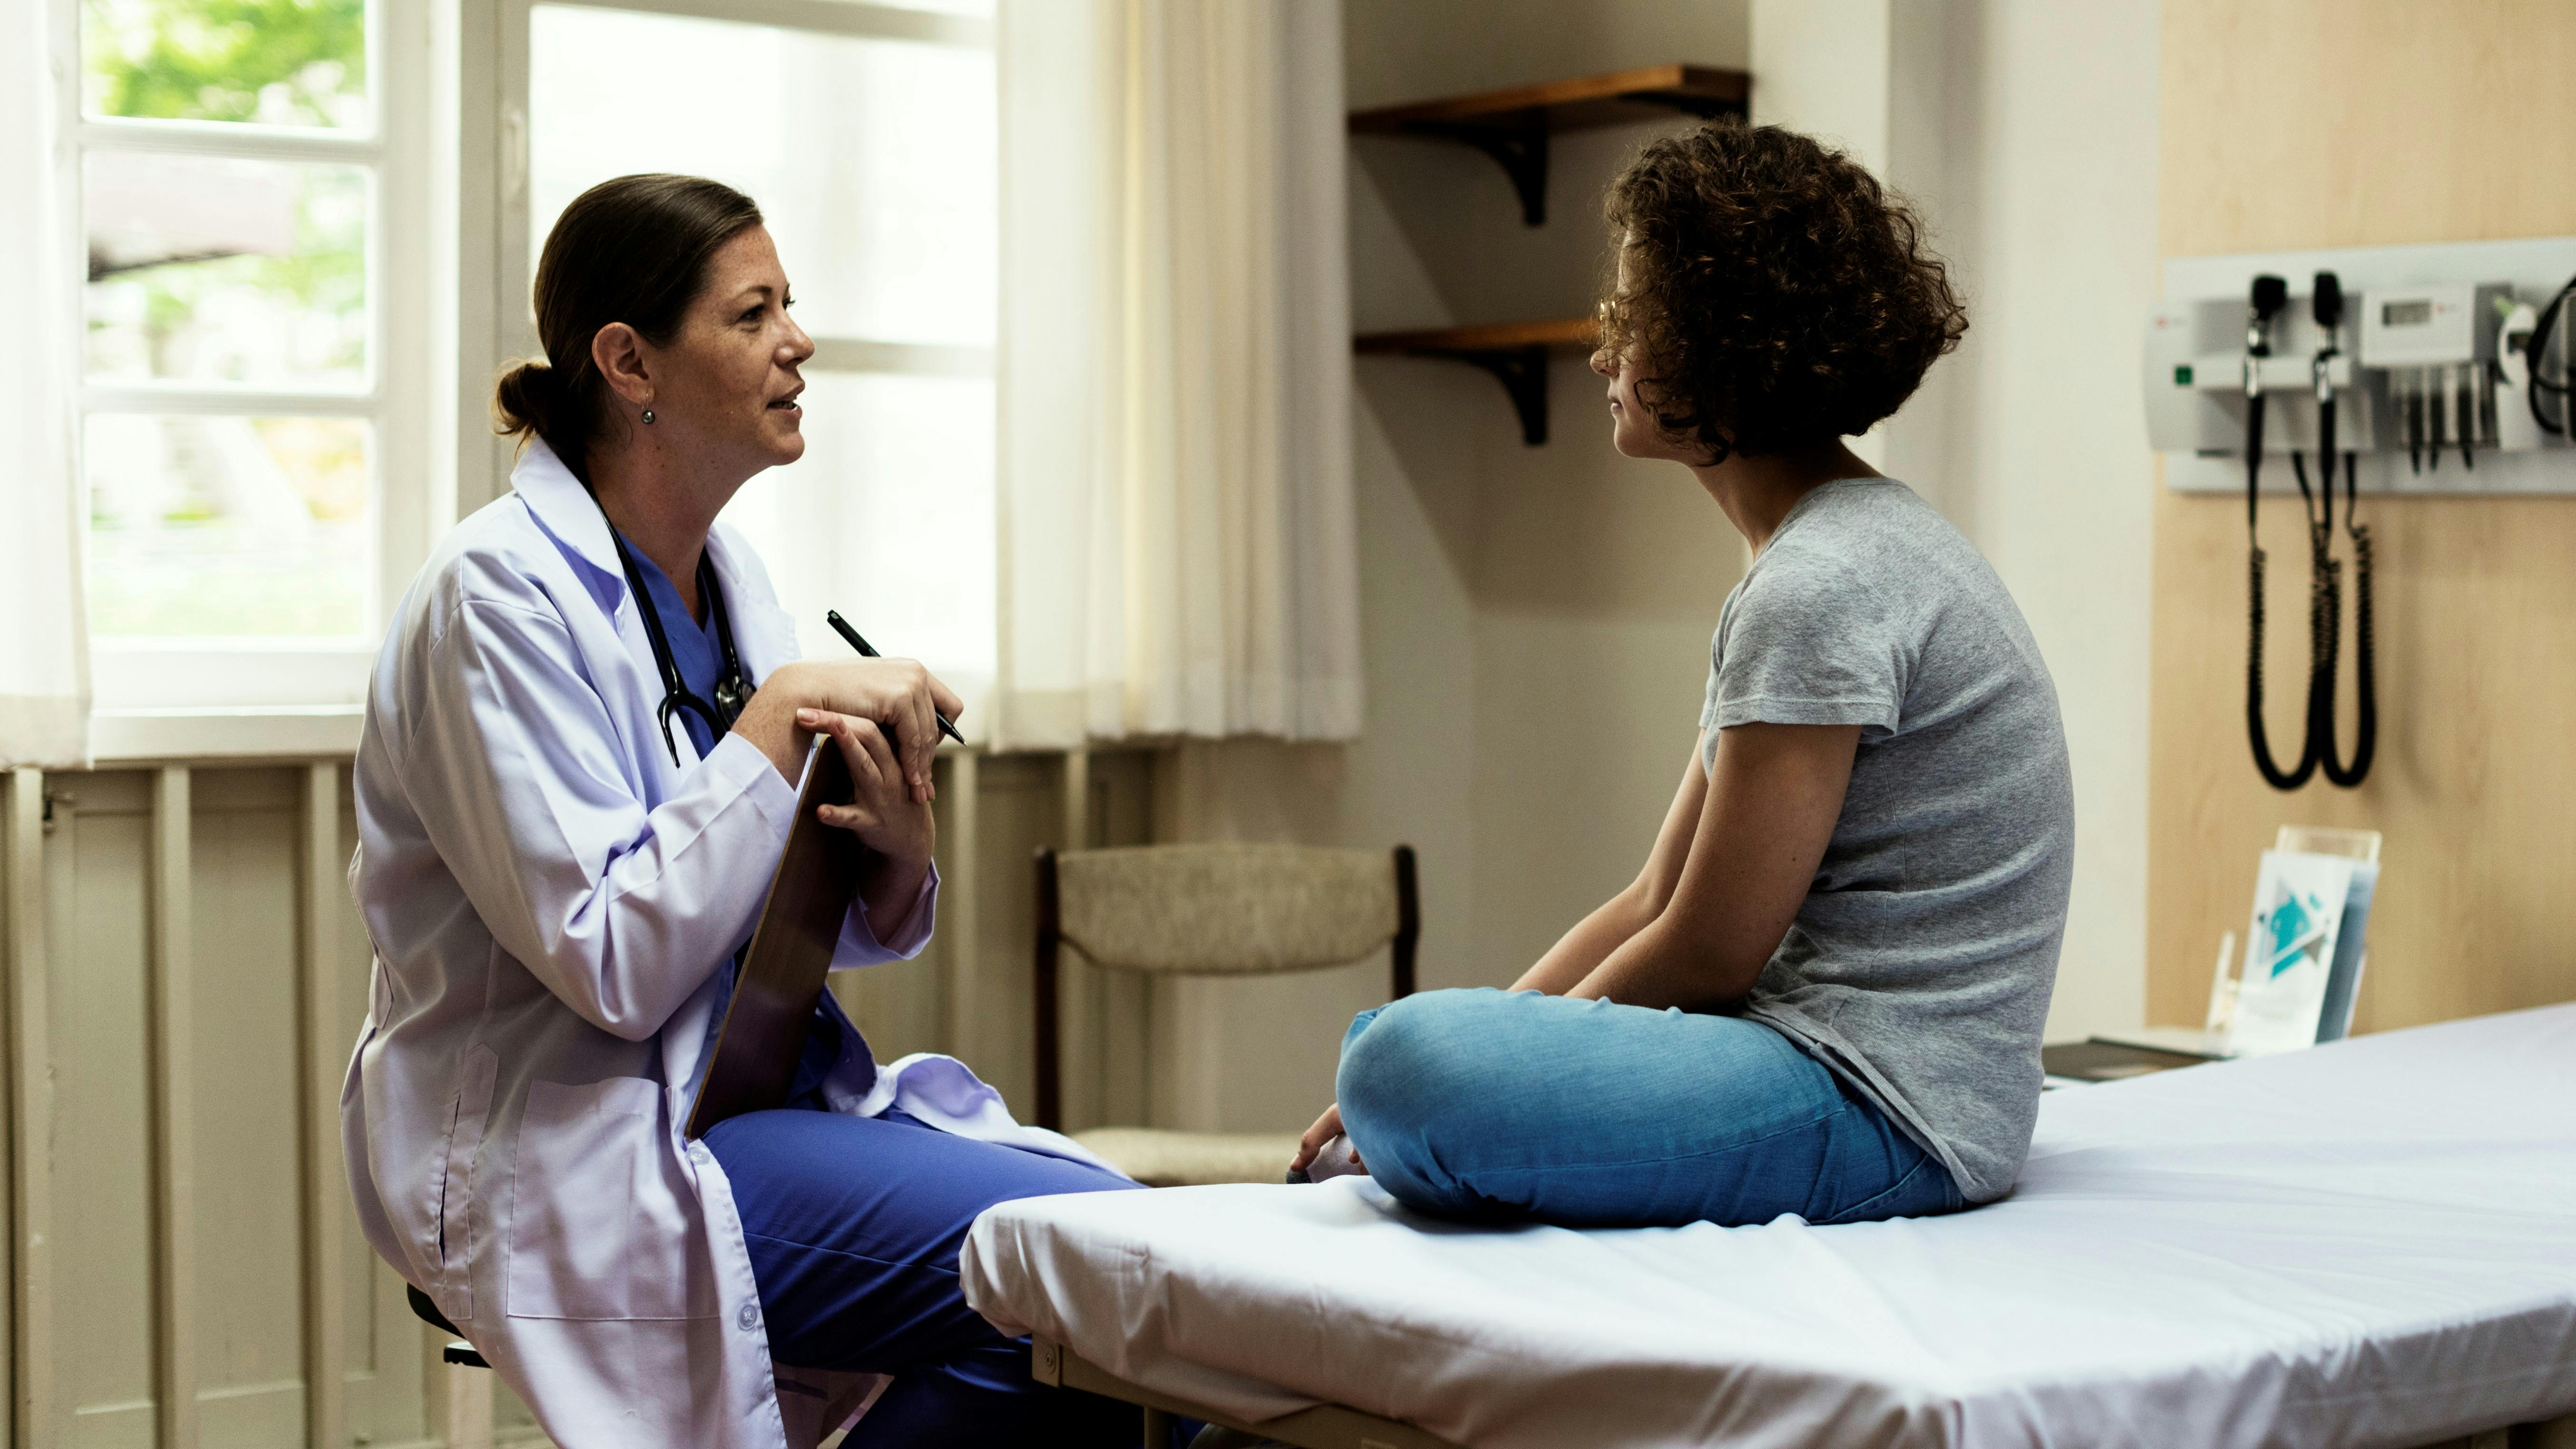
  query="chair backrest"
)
[
  {"x": 1223, "y": 910},
  {"x": 1216, "y": 910}
]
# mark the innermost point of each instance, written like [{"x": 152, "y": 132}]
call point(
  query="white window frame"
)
[
  {"x": 450, "y": 271},
  {"x": 512, "y": 321},
  {"x": 163, "y": 698}
]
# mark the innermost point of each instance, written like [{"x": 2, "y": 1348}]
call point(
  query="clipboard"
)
[{"x": 756, "y": 1051}]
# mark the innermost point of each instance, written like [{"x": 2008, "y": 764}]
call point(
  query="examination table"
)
[{"x": 2370, "y": 1245}]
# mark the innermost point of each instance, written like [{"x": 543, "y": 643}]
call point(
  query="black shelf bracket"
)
[
  {"x": 1519, "y": 148},
  {"x": 1521, "y": 370}
]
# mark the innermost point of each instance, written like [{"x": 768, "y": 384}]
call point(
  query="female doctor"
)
[{"x": 583, "y": 742}]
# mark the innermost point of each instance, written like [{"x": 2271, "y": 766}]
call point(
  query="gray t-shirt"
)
[{"x": 1920, "y": 964}]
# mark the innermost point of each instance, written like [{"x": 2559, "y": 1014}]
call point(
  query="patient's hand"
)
[{"x": 1326, "y": 1128}]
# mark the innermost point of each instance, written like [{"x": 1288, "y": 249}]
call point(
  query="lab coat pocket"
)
[
  {"x": 602, "y": 1221},
  {"x": 456, "y": 1184}
]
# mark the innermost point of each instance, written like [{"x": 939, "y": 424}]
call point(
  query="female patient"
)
[{"x": 1823, "y": 993}]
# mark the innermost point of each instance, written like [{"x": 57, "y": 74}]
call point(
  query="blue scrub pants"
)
[
  {"x": 854, "y": 1224},
  {"x": 1494, "y": 1104}
]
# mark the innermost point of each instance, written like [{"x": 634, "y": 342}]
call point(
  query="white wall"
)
[
  {"x": 2063, "y": 117},
  {"x": 2026, "y": 131},
  {"x": 1536, "y": 620}
]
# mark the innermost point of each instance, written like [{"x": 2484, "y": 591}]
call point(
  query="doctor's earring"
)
[{"x": 648, "y": 415}]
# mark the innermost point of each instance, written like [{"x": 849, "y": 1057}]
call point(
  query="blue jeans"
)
[
  {"x": 1493, "y": 1104},
  {"x": 854, "y": 1225}
]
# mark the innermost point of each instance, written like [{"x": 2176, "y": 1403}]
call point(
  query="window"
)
[
  {"x": 867, "y": 133},
  {"x": 244, "y": 184},
  {"x": 289, "y": 317}
]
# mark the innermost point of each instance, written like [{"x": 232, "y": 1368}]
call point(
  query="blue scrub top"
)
[
  {"x": 700, "y": 656},
  {"x": 694, "y": 647}
]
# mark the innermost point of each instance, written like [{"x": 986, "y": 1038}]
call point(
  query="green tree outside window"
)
[{"x": 279, "y": 62}]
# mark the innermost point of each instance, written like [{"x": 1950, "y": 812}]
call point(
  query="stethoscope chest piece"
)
[
  {"x": 731, "y": 695},
  {"x": 732, "y": 691}
]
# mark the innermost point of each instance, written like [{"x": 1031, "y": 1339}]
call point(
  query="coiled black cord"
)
[
  {"x": 2365, "y": 745},
  {"x": 2538, "y": 348},
  {"x": 2255, "y": 729}
]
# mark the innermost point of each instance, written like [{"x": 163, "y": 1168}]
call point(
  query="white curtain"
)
[
  {"x": 44, "y": 641},
  {"x": 1174, "y": 505}
]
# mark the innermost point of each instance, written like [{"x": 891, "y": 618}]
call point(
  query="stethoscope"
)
[
  {"x": 732, "y": 690},
  {"x": 2325, "y": 588}
]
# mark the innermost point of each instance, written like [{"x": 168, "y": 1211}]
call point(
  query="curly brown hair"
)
[{"x": 1775, "y": 296}]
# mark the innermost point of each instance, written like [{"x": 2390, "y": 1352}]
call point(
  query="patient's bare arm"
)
[
  {"x": 1772, "y": 799},
  {"x": 1580, "y": 950}
]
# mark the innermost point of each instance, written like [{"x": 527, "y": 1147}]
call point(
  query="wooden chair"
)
[
  {"x": 1211, "y": 910},
  {"x": 469, "y": 1382}
]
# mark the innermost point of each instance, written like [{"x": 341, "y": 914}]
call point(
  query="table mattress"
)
[{"x": 2372, "y": 1243}]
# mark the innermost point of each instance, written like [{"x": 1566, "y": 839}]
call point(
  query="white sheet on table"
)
[{"x": 2368, "y": 1244}]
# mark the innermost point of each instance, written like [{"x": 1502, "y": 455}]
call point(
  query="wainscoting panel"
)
[
  {"x": 186, "y": 976},
  {"x": 98, "y": 897},
  {"x": 204, "y": 1266}
]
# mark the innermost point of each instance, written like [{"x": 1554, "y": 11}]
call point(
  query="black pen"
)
[{"x": 862, "y": 645}]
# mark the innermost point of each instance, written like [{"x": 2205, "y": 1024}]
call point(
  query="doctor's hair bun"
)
[
  {"x": 527, "y": 400},
  {"x": 1774, "y": 295},
  {"x": 633, "y": 250}
]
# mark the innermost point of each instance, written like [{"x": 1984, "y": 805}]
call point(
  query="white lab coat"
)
[{"x": 549, "y": 897}]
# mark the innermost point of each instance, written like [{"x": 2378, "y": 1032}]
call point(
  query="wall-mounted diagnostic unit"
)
[
  {"x": 2429, "y": 362},
  {"x": 2421, "y": 369}
]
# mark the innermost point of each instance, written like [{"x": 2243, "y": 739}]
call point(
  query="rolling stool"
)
[{"x": 469, "y": 1392}]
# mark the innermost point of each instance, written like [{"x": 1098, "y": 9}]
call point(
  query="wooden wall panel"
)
[
  {"x": 388, "y": 1356},
  {"x": 902, "y": 1006},
  {"x": 173, "y": 1023},
  {"x": 249, "y": 1225},
  {"x": 33, "y": 1247},
  {"x": 1021, "y": 808},
  {"x": 200, "y": 975},
  {"x": 97, "y": 865},
  {"x": 322, "y": 982},
  {"x": 2321, "y": 123},
  {"x": 1120, "y": 812}
]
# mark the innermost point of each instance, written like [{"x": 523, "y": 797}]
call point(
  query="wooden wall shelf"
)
[
  {"x": 1515, "y": 353},
  {"x": 1512, "y": 126}
]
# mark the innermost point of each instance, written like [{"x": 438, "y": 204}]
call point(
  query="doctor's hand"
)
[
  {"x": 897, "y": 695},
  {"x": 883, "y": 813}
]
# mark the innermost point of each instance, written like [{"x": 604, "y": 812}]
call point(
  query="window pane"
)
[
  {"x": 275, "y": 62},
  {"x": 227, "y": 526},
  {"x": 216, "y": 270},
  {"x": 887, "y": 518},
  {"x": 873, "y": 160},
  {"x": 976, "y": 9}
]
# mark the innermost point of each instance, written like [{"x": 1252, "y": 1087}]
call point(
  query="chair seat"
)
[{"x": 1191, "y": 1159}]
